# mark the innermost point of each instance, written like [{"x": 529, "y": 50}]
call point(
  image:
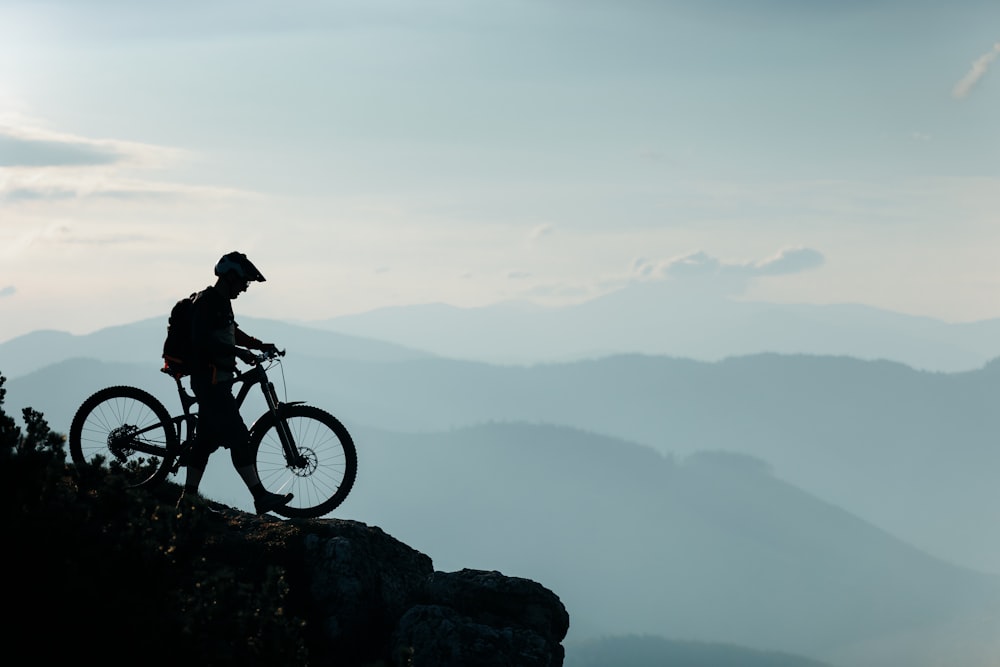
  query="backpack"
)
[{"x": 178, "y": 348}]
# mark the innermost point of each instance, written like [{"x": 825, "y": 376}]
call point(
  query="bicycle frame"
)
[{"x": 257, "y": 375}]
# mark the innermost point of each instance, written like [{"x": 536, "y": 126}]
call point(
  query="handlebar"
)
[
  {"x": 265, "y": 356},
  {"x": 271, "y": 354}
]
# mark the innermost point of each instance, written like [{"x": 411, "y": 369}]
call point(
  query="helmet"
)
[{"x": 238, "y": 263}]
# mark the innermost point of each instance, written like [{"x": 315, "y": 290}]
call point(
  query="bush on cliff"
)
[{"x": 108, "y": 572}]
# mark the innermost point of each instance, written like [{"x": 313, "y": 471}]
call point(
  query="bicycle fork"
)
[{"x": 292, "y": 455}]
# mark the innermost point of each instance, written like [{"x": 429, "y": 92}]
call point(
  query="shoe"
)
[{"x": 267, "y": 501}]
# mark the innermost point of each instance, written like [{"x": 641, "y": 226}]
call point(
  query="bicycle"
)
[{"x": 297, "y": 447}]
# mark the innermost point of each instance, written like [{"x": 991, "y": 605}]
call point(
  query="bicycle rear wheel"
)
[
  {"x": 127, "y": 428},
  {"x": 326, "y": 470}
]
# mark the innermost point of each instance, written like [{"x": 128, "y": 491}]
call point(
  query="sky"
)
[{"x": 372, "y": 153}]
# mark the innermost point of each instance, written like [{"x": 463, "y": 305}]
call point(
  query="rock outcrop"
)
[{"x": 367, "y": 598}]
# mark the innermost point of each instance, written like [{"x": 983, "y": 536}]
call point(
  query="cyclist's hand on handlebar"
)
[
  {"x": 270, "y": 351},
  {"x": 246, "y": 356}
]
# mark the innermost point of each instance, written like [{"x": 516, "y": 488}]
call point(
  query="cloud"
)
[
  {"x": 696, "y": 264},
  {"x": 39, "y": 165},
  {"x": 58, "y": 234},
  {"x": 9, "y": 290},
  {"x": 789, "y": 260},
  {"x": 700, "y": 264},
  {"x": 18, "y": 151},
  {"x": 77, "y": 184},
  {"x": 979, "y": 67},
  {"x": 540, "y": 231},
  {"x": 27, "y": 144},
  {"x": 701, "y": 274}
]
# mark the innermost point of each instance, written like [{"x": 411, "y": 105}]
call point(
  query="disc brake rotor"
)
[{"x": 307, "y": 463}]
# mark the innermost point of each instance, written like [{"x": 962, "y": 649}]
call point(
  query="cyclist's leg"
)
[
  {"x": 211, "y": 427},
  {"x": 228, "y": 423},
  {"x": 219, "y": 420},
  {"x": 243, "y": 461}
]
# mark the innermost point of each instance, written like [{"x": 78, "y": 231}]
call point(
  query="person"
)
[{"x": 218, "y": 342}]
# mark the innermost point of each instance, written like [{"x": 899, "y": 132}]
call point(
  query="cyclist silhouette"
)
[{"x": 217, "y": 342}]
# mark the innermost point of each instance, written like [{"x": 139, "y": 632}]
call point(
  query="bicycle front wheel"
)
[
  {"x": 127, "y": 428},
  {"x": 327, "y": 463}
]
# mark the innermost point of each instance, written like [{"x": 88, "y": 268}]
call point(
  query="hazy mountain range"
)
[
  {"x": 912, "y": 451},
  {"x": 658, "y": 318},
  {"x": 711, "y": 547},
  {"x": 826, "y": 506}
]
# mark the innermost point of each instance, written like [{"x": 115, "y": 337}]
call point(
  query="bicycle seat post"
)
[{"x": 187, "y": 400}]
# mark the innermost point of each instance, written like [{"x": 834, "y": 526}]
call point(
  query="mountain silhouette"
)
[
  {"x": 142, "y": 342},
  {"x": 710, "y": 547},
  {"x": 659, "y": 318}
]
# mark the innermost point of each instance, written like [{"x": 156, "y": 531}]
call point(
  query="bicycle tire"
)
[
  {"x": 129, "y": 429},
  {"x": 324, "y": 482}
]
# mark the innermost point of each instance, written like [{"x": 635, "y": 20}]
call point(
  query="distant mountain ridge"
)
[
  {"x": 643, "y": 318},
  {"x": 142, "y": 342},
  {"x": 655, "y": 319}
]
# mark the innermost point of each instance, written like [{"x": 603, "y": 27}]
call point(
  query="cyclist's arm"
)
[{"x": 243, "y": 339}]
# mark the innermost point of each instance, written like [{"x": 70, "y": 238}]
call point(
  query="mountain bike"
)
[{"x": 297, "y": 448}]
